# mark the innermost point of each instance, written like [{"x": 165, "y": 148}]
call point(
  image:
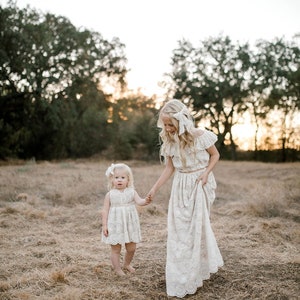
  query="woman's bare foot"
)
[{"x": 130, "y": 268}]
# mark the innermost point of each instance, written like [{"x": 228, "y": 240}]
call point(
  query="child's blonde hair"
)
[
  {"x": 110, "y": 172},
  {"x": 171, "y": 108}
]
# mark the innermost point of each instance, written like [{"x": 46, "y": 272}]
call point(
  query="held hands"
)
[
  {"x": 151, "y": 194},
  {"x": 148, "y": 199}
]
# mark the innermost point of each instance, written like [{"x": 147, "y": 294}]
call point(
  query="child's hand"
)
[{"x": 105, "y": 231}]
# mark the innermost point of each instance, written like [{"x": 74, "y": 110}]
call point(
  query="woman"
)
[{"x": 190, "y": 154}]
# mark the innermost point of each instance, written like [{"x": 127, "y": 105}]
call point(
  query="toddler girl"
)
[{"x": 120, "y": 220}]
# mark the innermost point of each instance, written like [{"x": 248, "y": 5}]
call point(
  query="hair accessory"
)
[
  {"x": 110, "y": 170},
  {"x": 185, "y": 124}
]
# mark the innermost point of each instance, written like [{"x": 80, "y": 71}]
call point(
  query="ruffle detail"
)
[
  {"x": 202, "y": 142},
  {"x": 206, "y": 140}
]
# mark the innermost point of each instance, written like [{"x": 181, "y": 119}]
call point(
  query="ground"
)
[{"x": 50, "y": 246}]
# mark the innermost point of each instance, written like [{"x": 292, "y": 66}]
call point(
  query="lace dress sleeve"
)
[{"x": 207, "y": 139}]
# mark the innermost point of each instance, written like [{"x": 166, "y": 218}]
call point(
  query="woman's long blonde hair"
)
[{"x": 186, "y": 139}]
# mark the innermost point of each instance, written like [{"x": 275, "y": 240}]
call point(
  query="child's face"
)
[
  {"x": 120, "y": 179},
  {"x": 169, "y": 126}
]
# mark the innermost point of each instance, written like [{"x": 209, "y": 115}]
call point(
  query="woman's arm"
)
[
  {"x": 105, "y": 211},
  {"x": 214, "y": 157},
  {"x": 165, "y": 175}
]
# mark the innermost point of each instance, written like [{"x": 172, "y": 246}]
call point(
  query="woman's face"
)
[
  {"x": 168, "y": 125},
  {"x": 120, "y": 179}
]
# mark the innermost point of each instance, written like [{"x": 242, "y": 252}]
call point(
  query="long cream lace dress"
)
[{"x": 192, "y": 250}]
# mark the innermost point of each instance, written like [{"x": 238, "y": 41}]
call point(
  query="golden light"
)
[{"x": 244, "y": 134}]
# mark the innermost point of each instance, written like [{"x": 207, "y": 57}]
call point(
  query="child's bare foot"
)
[
  {"x": 120, "y": 272},
  {"x": 130, "y": 268}
]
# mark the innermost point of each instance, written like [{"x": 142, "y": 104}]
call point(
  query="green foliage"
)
[
  {"x": 281, "y": 61},
  {"x": 50, "y": 81},
  {"x": 53, "y": 104},
  {"x": 133, "y": 129},
  {"x": 221, "y": 81},
  {"x": 211, "y": 79}
]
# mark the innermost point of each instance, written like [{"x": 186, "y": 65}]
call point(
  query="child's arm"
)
[
  {"x": 105, "y": 211},
  {"x": 138, "y": 200}
]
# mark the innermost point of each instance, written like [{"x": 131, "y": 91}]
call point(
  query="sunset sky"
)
[{"x": 150, "y": 29}]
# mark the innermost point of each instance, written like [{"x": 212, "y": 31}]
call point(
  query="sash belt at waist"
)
[{"x": 192, "y": 171}]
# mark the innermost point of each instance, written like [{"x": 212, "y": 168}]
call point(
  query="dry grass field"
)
[{"x": 50, "y": 243}]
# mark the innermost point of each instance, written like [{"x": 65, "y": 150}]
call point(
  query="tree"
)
[
  {"x": 211, "y": 78},
  {"x": 281, "y": 65},
  {"x": 259, "y": 89},
  {"x": 133, "y": 128},
  {"x": 45, "y": 60}
]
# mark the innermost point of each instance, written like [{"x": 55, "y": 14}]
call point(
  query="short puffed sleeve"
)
[{"x": 207, "y": 139}]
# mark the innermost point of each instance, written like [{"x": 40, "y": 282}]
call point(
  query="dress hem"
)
[
  {"x": 121, "y": 243},
  {"x": 199, "y": 285}
]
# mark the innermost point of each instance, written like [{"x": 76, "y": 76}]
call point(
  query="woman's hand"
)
[
  {"x": 203, "y": 178},
  {"x": 151, "y": 194},
  {"x": 148, "y": 199}
]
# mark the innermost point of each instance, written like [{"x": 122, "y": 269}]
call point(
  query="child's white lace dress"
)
[
  {"x": 123, "y": 220},
  {"x": 192, "y": 250}
]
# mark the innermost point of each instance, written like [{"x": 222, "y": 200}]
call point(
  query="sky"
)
[{"x": 151, "y": 29}]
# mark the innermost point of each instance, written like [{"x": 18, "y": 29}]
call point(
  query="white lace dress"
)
[
  {"x": 192, "y": 250},
  {"x": 123, "y": 220}
]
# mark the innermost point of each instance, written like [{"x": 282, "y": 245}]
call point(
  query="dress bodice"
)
[
  {"x": 123, "y": 220},
  {"x": 195, "y": 158},
  {"x": 121, "y": 198}
]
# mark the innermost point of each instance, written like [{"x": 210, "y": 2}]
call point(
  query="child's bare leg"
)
[
  {"x": 115, "y": 259},
  {"x": 130, "y": 250}
]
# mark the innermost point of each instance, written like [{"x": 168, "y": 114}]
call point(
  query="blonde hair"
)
[
  {"x": 110, "y": 172},
  {"x": 186, "y": 139}
]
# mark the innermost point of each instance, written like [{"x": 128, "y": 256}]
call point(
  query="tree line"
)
[{"x": 54, "y": 101}]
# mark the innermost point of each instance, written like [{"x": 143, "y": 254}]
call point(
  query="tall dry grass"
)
[{"x": 50, "y": 243}]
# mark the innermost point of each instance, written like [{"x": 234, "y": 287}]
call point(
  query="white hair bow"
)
[
  {"x": 184, "y": 123},
  {"x": 110, "y": 170}
]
